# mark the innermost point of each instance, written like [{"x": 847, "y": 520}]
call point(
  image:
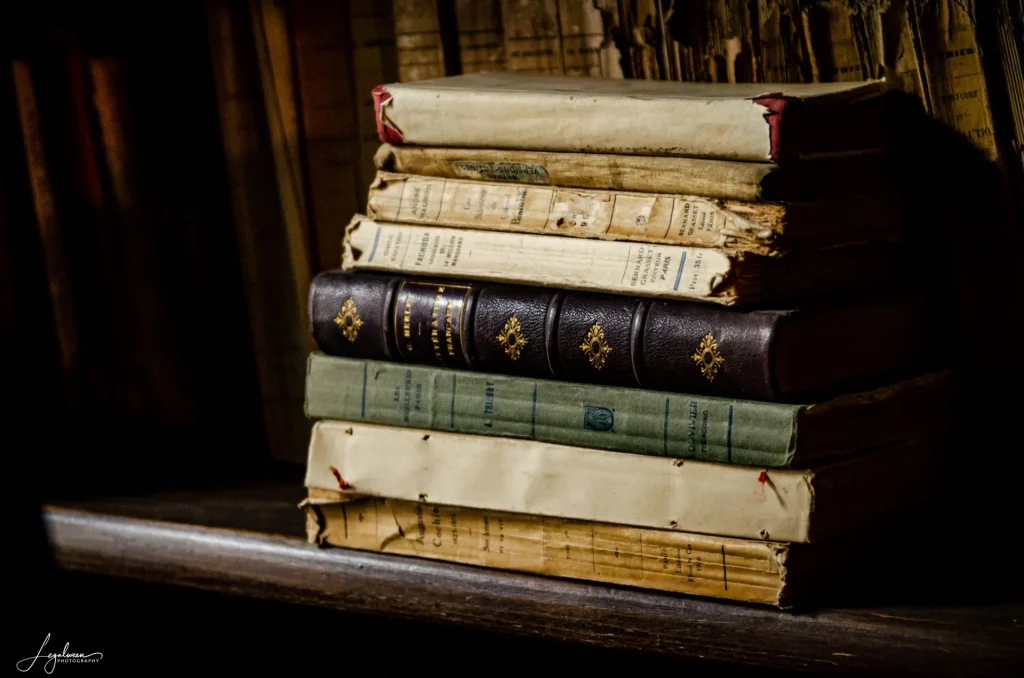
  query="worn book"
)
[
  {"x": 580, "y": 483},
  {"x": 765, "y": 229},
  {"x": 860, "y": 178},
  {"x": 683, "y": 426},
  {"x": 665, "y": 560},
  {"x": 691, "y": 348},
  {"x": 751, "y": 122},
  {"x": 666, "y": 271}
]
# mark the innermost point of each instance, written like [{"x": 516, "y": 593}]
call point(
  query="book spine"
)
[
  {"x": 622, "y": 419},
  {"x": 654, "y": 559},
  {"x": 586, "y": 49},
  {"x": 481, "y": 35},
  {"x": 559, "y": 481},
  {"x": 647, "y": 174},
  {"x": 418, "y": 40},
  {"x": 546, "y": 334},
  {"x": 724, "y": 129},
  {"x": 664, "y": 271},
  {"x": 957, "y": 90},
  {"x": 532, "y": 41},
  {"x": 834, "y": 53},
  {"x": 323, "y": 71},
  {"x": 605, "y": 215},
  {"x": 272, "y": 285},
  {"x": 374, "y": 60},
  {"x": 781, "y": 50}
]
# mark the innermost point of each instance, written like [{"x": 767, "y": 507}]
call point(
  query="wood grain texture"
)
[{"x": 259, "y": 553}]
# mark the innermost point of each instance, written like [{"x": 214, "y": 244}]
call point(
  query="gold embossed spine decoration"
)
[
  {"x": 348, "y": 320},
  {"x": 708, "y": 357},
  {"x": 511, "y": 337},
  {"x": 595, "y": 347}
]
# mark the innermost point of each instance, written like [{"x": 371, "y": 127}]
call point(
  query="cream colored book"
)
[
  {"x": 667, "y": 271},
  {"x": 563, "y": 481},
  {"x": 749, "y": 122},
  {"x": 666, "y": 560},
  {"x": 619, "y": 215}
]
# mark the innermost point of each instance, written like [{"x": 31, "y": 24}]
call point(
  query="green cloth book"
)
[{"x": 746, "y": 432}]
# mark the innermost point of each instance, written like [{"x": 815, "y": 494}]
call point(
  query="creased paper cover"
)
[
  {"x": 667, "y": 271},
  {"x": 666, "y": 560},
  {"x": 607, "y": 215},
  {"x": 523, "y": 476}
]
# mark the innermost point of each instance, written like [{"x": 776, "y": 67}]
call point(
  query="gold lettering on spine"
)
[{"x": 435, "y": 337}]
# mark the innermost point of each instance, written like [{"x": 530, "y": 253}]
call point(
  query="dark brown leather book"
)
[{"x": 617, "y": 340}]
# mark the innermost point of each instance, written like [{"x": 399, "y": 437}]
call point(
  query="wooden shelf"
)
[{"x": 249, "y": 541}]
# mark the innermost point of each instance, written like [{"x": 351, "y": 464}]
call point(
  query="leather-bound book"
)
[{"x": 671, "y": 346}]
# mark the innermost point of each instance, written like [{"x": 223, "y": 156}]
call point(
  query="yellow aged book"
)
[
  {"x": 691, "y": 220},
  {"x": 681, "y": 562}
]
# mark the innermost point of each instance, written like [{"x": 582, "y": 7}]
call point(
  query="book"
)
[
  {"x": 418, "y": 40},
  {"x": 579, "y": 483},
  {"x": 619, "y": 267},
  {"x": 481, "y": 35},
  {"x": 665, "y": 560},
  {"x": 682, "y": 426},
  {"x": 615, "y": 340},
  {"x": 759, "y": 228},
  {"x": 849, "y": 178},
  {"x": 749, "y": 122},
  {"x": 587, "y": 49},
  {"x": 322, "y": 47},
  {"x": 273, "y": 277},
  {"x": 532, "y": 40}
]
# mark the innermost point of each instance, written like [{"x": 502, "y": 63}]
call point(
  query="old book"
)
[
  {"x": 724, "y": 179},
  {"x": 957, "y": 90},
  {"x": 834, "y": 52},
  {"x": 277, "y": 74},
  {"x": 532, "y": 41},
  {"x": 782, "y": 54},
  {"x": 616, "y": 340},
  {"x": 562, "y": 481},
  {"x": 620, "y": 267},
  {"x": 323, "y": 71},
  {"x": 374, "y": 60},
  {"x": 418, "y": 40},
  {"x": 766, "y": 229},
  {"x": 280, "y": 342},
  {"x": 604, "y": 115},
  {"x": 682, "y": 426},
  {"x": 586, "y": 48},
  {"x": 481, "y": 35},
  {"x": 666, "y": 560}
]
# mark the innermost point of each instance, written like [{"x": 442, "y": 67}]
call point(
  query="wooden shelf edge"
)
[{"x": 287, "y": 569}]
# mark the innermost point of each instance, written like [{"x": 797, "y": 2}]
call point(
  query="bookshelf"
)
[{"x": 246, "y": 538}]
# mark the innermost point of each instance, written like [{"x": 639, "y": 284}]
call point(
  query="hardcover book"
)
[
  {"x": 666, "y": 560},
  {"x": 579, "y": 483},
  {"x": 667, "y": 271},
  {"x": 686, "y": 347},
  {"x": 836, "y": 178},
  {"x": 751, "y": 122},
  {"x": 682, "y": 426},
  {"x": 691, "y": 220}
]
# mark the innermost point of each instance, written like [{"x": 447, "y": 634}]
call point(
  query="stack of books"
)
[{"x": 645, "y": 333}]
